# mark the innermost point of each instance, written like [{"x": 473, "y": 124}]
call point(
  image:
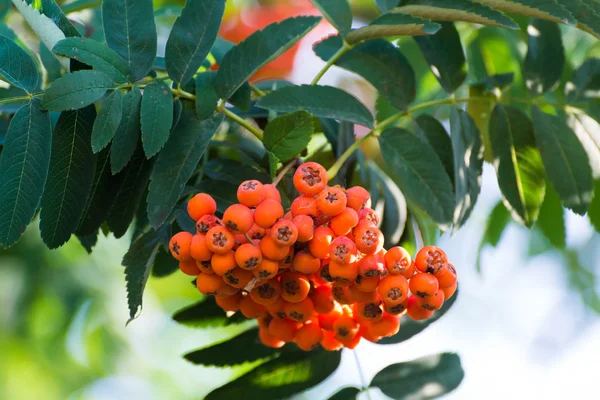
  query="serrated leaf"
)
[
  {"x": 594, "y": 209},
  {"x": 185, "y": 222},
  {"x": 545, "y": 58},
  {"x": 348, "y": 393},
  {"x": 481, "y": 112},
  {"x": 128, "y": 133},
  {"x": 545, "y": 9},
  {"x": 393, "y": 24},
  {"x": 518, "y": 163},
  {"x": 393, "y": 218},
  {"x": 76, "y": 90},
  {"x": 224, "y": 193},
  {"x": 88, "y": 242},
  {"x": 52, "y": 10},
  {"x": 206, "y": 314},
  {"x": 130, "y": 30},
  {"x": 380, "y": 63},
  {"x": 444, "y": 53},
  {"x": 24, "y": 164},
  {"x": 282, "y": 377},
  {"x": 457, "y": 10},
  {"x": 321, "y": 101},
  {"x": 164, "y": 264},
  {"x": 585, "y": 82},
  {"x": 258, "y": 49},
  {"x": 242, "y": 97},
  {"x": 17, "y": 67},
  {"x": 157, "y": 117},
  {"x": 434, "y": 132},
  {"x": 206, "y": 95},
  {"x": 496, "y": 223},
  {"x": 192, "y": 37},
  {"x": 585, "y": 13},
  {"x": 386, "y": 5},
  {"x": 468, "y": 164},
  {"x": 177, "y": 162},
  {"x": 419, "y": 173},
  {"x": 220, "y": 48},
  {"x": 96, "y": 55},
  {"x": 337, "y": 12},
  {"x": 130, "y": 194},
  {"x": 551, "y": 220},
  {"x": 288, "y": 135},
  {"x": 70, "y": 176},
  {"x": 424, "y": 378},
  {"x": 108, "y": 121},
  {"x": 565, "y": 160},
  {"x": 53, "y": 67},
  {"x": 232, "y": 172}
]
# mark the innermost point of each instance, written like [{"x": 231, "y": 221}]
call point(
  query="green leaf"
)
[
  {"x": 321, "y": 101},
  {"x": 582, "y": 279},
  {"x": 468, "y": 163},
  {"x": 348, "y": 393},
  {"x": 282, "y": 377},
  {"x": 594, "y": 209},
  {"x": 127, "y": 136},
  {"x": 177, "y": 162},
  {"x": 444, "y": 53},
  {"x": 496, "y": 223},
  {"x": 545, "y": 58},
  {"x": 393, "y": 24},
  {"x": 17, "y": 67},
  {"x": 337, "y": 12},
  {"x": 108, "y": 121},
  {"x": 88, "y": 242},
  {"x": 232, "y": 172},
  {"x": 585, "y": 82},
  {"x": 424, "y": 378},
  {"x": 130, "y": 30},
  {"x": 242, "y": 97},
  {"x": 130, "y": 194},
  {"x": 96, "y": 55},
  {"x": 481, "y": 112},
  {"x": 545, "y": 9},
  {"x": 517, "y": 162},
  {"x": 386, "y": 5},
  {"x": 192, "y": 38},
  {"x": 288, "y": 135},
  {"x": 552, "y": 220},
  {"x": 24, "y": 163},
  {"x": 4, "y": 8},
  {"x": 457, "y": 10},
  {"x": 50, "y": 9},
  {"x": 53, "y": 67},
  {"x": 395, "y": 214},
  {"x": 70, "y": 177},
  {"x": 76, "y": 90},
  {"x": 565, "y": 160},
  {"x": 587, "y": 130},
  {"x": 157, "y": 117},
  {"x": 434, "y": 132},
  {"x": 418, "y": 172},
  {"x": 258, "y": 49},
  {"x": 164, "y": 264},
  {"x": 206, "y": 314},
  {"x": 240, "y": 349},
  {"x": 206, "y": 95},
  {"x": 585, "y": 13},
  {"x": 380, "y": 63},
  {"x": 223, "y": 192}
]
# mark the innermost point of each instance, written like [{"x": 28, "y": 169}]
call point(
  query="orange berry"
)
[
  {"x": 219, "y": 239},
  {"x": 271, "y": 250},
  {"x": 319, "y": 244},
  {"x": 251, "y": 309},
  {"x": 256, "y": 232},
  {"x": 342, "y": 250},
  {"x": 343, "y": 274},
  {"x": 423, "y": 284},
  {"x": 227, "y": 291},
  {"x": 393, "y": 289},
  {"x": 284, "y": 232},
  {"x": 449, "y": 291},
  {"x": 206, "y": 222},
  {"x": 180, "y": 245},
  {"x": 331, "y": 201},
  {"x": 322, "y": 299},
  {"x": 388, "y": 325},
  {"x": 324, "y": 273},
  {"x": 397, "y": 261},
  {"x": 189, "y": 267},
  {"x": 340, "y": 294},
  {"x": 267, "y": 213},
  {"x": 209, "y": 285},
  {"x": 360, "y": 296},
  {"x": 306, "y": 263},
  {"x": 301, "y": 311},
  {"x": 432, "y": 303},
  {"x": 223, "y": 263},
  {"x": 358, "y": 198},
  {"x": 343, "y": 223},
  {"x": 305, "y": 205},
  {"x": 310, "y": 178},
  {"x": 345, "y": 328},
  {"x": 271, "y": 192},
  {"x": 369, "y": 240},
  {"x": 269, "y": 340},
  {"x": 371, "y": 311},
  {"x": 395, "y": 309},
  {"x": 369, "y": 215},
  {"x": 229, "y": 303},
  {"x": 264, "y": 320},
  {"x": 414, "y": 311},
  {"x": 275, "y": 309},
  {"x": 205, "y": 267},
  {"x": 198, "y": 249},
  {"x": 431, "y": 259},
  {"x": 305, "y": 226},
  {"x": 446, "y": 276},
  {"x": 267, "y": 269},
  {"x": 365, "y": 334},
  {"x": 283, "y": 329},
  {"x": 294, "y": 286},
  {"x": 238, "y": 278},
  {"x": 308, "y": 337},
  {"x": 201, "y": 204},
  {"x": 250, "y": 193},
  {"x": 351, "y": 343},
  {"x": 238, "y": 218},
  {"x": 287, "y": 262},
  {"x": 371, "y": 265},
  {"x": 329, "y": 342},
  {"x": 248, "y": 256},
  {"x": 266, "y": 293},
  {"x": 366, "y": 283},
  {"x": 326, "y": 320}
]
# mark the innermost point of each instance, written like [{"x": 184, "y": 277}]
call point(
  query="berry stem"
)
[
  {"x": 284, "y": 171},
  {"x": 257, "y": 90},
  {"x": 335, "y": 168},
  {"x": 363, "y": 382},
  {"x": 15, "y": 99},
  {"x": 249, "y": 239},
  {"x": 235, "y": 118},
  {"x": 342, "y": 50}
]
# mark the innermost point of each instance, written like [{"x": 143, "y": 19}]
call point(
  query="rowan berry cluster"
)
[{"x": 317, "y": 274}]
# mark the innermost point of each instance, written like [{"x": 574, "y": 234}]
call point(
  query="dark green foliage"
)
[
  {"x": 127, "y": 136},
  {"x": 17, "y": 67},
  {"x": 435, "y": 133},
  {"x": 204, "y": 314},
  {"x": 551, "y": 220},
  {"x": 76, "y": 90},
  {"x": 337, "y": 12},
  {"x": 206, "y": 95},
  {"x": 157, "y": 117},
  {"x": 348, "y": 393},
  {"x": 545, "y": 57},
  {"x": 107, "y": 121},
  {"x": 286, "y": 136},
  {"x": 497, "y": 222}
]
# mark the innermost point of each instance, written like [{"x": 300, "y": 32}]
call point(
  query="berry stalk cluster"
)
[{"x": 315, "y": 275}]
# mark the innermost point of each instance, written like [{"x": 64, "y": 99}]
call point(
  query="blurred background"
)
[{"x": 526, "y": 325}]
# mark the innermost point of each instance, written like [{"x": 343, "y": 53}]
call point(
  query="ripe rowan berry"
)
[
  {"x": 205, "y": 267},
  {"x": 219, "y": 239},
  {"x": 395, "y": 309},
  {"x": 432, "y": 303},
  {"x": 369, "y": 215},
  {"x": 371, "y": 311},
  {"x": 271, "y": 250},
  {"x": 306, "y": 263},
  {"x": 397, "y": 261},
  {"x": 271, "y": 192},
  {"x": 369, "y": 240},
  {"x": 201, "y": 204},
  {"x": 360, "y": 296},
  {"x": 251, "y": 309},
  {"x": 266, "y": 293},
  {"x": 371, "y": 265},
  {"x": 206, "y": 222},
  {"x": 393, "y": 289},
  {"x": 446, "y": 276},
  {"x": 267, "y": 213},
  {"x": 189, "y": 267},
  {"x": 267, "y": 269},
  {"x": 324, "y": 273},
  {"x": 305, "y": 205},
  {"x": 310, "y": 178},
  {"x": 288, "y": 261},
  {"x": 238, "y": 218},
  {"x": 305, "y": 226},
  {"x": 343, "y": 223},
  {"x": 227, "y": 291},
  {"x": 209, "y": 285},
  {"x": 319, "y": 244},
  {"x": 388, "y": 325},
  {"x": 423, "y": 284},
  {"x": 351, "y": 343},
  {"x": 365, "y": 334},
  {"x": 229, "y": 303},
  {"x": 431, "y": 259},
  {"x": 366, "y": 283},
  {"x": 284, "y": 232},
  {"x": 250, "y": 193},
  {"x": 223, "y": 263},
  {"x": 256, "y": 232},
  {"x": 300, "y": 311},
  {"x": 340, "y": 293},
  {"x": 449, "y": 291},
  {"x": 345, "y": 328},
  {"x": 326, "y": 320},
  {"x": 342, "y": 250},
  {"x": 294, "y": 286},
  {"x": 283, "y": 329},
  {"x": 180, "y": 245},
  {"x": 331, "y": 201},
  {"x": 238, "y": 278},
  {"x": 198, "y": 248},
  {"x": 308, "y": 337},
  {"x": 358, "y": 198},
  {"x": 343, "y": 274},
  {"x": 248, "y": 256},
  {"x": 329, "y": 342},
  {"x": 269, "y": 340},
  {"x": 275, "y": 309},
  {"x": 414, "y": 311},
  {"x": 322, "y": 299}
]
